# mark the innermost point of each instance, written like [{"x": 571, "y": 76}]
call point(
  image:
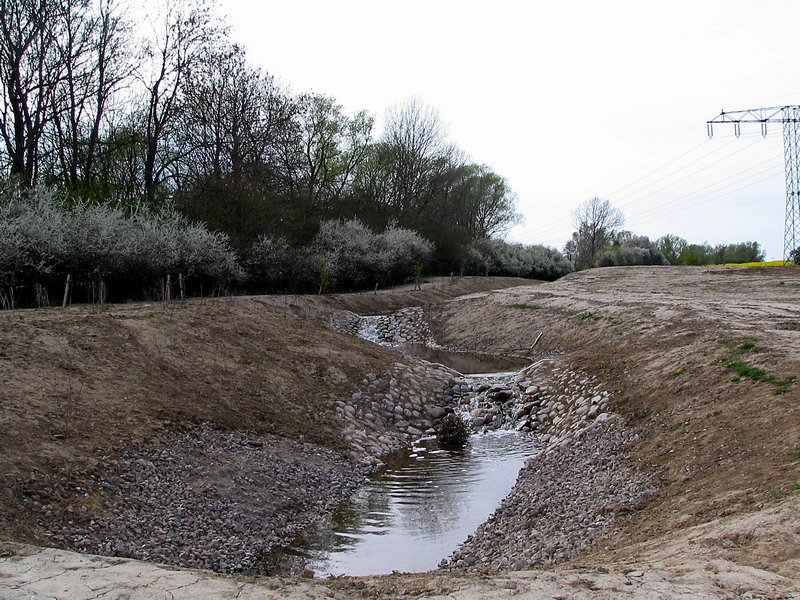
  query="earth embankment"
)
[{"x": 700, "y": 362}]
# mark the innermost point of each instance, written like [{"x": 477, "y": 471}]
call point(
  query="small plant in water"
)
[{"x": 453, "y": 432}]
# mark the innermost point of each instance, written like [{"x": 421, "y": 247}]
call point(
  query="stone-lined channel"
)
[{"x": 413, "y": 513}]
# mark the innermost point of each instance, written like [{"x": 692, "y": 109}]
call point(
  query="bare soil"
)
[
  {"x": 725, "y": 448},
  {"x": 720, "y": 444}
]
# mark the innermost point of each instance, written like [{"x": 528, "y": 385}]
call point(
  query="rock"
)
[{"x": 436, "y": 412}]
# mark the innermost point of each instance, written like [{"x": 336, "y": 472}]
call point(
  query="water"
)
[
  {"x": 463, "y": 362},
  {"x": 466, "y": 362},
  {"x": 413, "y": 513}
]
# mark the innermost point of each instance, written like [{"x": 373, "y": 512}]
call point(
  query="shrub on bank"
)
[
  {"x": 453, "y": 432},
  {"x": 497, "y": 257},
  {"x": 46, "y": 236}
]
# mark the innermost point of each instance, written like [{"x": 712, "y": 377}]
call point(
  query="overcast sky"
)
[{"x": 567, "y": 100}]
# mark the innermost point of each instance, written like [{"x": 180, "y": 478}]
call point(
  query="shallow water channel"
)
[
  {"x": 412, "y": 513},
  {"x": 465, "y": 362}
]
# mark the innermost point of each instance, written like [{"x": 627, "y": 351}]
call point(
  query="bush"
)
[
  {"x": 453, "y": 432},
  {"x": 358, "y": 258},
  {"x": 45, "y": 237},
  {"x": 496, "y": 257}
]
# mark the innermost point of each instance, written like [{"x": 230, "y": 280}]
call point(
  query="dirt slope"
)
[
  {"x": 80, "y": 381},
  {"x": 664, "y": 338}
]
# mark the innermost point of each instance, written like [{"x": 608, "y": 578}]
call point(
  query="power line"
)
[
  {"x": 789, "y": 118},
  {"x": 715, "y": 197},
  {"x": 557, "y": 224}
]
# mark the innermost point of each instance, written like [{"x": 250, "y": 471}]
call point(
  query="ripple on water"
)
[{"x": 414, "y": 512}]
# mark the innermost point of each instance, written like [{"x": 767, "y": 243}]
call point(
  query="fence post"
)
[{"x": 67, "y": 287}]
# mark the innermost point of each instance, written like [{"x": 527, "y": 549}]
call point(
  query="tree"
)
[
  {"x": 414, "y": 142},
  {"x": 228, "y": 138},
  {"x": 596, "y": 221},
  {"x": 30, "y": 69},
  {"x": 96, "y": 58},
  {"x": 186, "y": 31},
  {"x": 672, "y": 247}
]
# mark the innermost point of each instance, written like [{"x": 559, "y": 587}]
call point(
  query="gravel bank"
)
[
  {"x": 202, "y": 498},
  {"x": 564, "y": 500}
]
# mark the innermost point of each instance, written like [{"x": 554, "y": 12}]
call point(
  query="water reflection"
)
[
  {"x": 465, "y": 362},
  {"x": 412, "y": 514}
]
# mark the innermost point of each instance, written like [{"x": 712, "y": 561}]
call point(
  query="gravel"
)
[
  {"x": 564, "y": 500},
  {"x": 203, "y": 498}
]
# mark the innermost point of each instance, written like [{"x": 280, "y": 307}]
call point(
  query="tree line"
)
[
  {"x": 181, "y": 118},
  {"x": 144, "y": 157},
  {"x": 600, "y": 241}
]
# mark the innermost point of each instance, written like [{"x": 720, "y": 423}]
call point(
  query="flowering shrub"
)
[
  {"x": 496, "y": 257},
  {"x": 43, "y": 237},
  {"x": 345, "y": 253}
]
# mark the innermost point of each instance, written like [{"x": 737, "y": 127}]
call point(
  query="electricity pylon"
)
[{"x": 789, "y": 117}]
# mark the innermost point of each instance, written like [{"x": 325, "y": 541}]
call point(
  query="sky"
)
[{"x": 567, "y": 100}]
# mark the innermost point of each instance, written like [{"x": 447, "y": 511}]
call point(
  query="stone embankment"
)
[
  {"x": 565, "y": 500},
  {"x": 544, "y": 398},
  {"x": 391, "y": 410},
  {"x": 405, "y": 326},
  {"x": 567, "y": 497}
]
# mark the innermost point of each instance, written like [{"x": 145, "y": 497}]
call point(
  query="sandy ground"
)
[{"x": 725, "y": 449}]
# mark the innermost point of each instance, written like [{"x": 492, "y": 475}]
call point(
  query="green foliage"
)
[
  {"x": 746, "y": 371},
  {"x": 324, "y": 278},
  {"x": 671, "y": 248},
  {"x": 453, "y": 432},
  {"x": 705, "y": 254},
  {"x": 589, "y": 316}
]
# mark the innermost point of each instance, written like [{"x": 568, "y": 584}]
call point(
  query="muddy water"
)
[{"x": 413, "y": 513}]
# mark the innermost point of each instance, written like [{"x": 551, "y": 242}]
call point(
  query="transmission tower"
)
[{"x": 789, "y": 117}]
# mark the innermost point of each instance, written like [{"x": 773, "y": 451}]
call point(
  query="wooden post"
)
[
  {"x": 182, "y": 286},
  {"x": 67, "y": 287},
  {"x": 168, "y": 290}
]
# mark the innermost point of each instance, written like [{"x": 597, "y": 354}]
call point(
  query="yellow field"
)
[{"x": 771, "y": 263}]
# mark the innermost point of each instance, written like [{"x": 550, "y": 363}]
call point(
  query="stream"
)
[
  {"x": 413, "y": 513},
  {"x": 416, "y": 510}
]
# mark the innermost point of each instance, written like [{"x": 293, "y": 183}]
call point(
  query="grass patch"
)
[
  {"x": 795, "y": 487},
  {"x": 745, "y": 371},
  {"x": 525, "y": 306},
  {"x": 589, "y": 316},
  {"x": 795, "y": 454}
]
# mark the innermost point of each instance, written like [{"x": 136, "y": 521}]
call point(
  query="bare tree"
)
[
  {"x": 596, "y": 221},
  {"x": 94, "y": 52},
  {"x": 184, "y": 33},
  {"x": 414, "y": 137},
  {"x": 30, "y": 68}
]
